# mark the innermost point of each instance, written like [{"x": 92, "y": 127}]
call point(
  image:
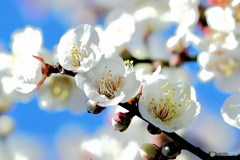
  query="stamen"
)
[
  {"x": 76, "y": 54},
  {"x": 129, "y": 65},
  {"x": 108, "y": 85},
  {"x": 235, "y": 105},
  {"x": 60, "y": 87},
  {"x": 227, "y": 66},
  {"x": 166, "y": 106}
]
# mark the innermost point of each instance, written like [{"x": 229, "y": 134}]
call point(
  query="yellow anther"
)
[
  {"x": 227, "y": 66},
  {"x": 129, "y": 64},
  {"x": 64, "y": 95},
  {"x": 108, "y": 86},
  {"x": 182, "y": 90},
  {"x": 76, "y": 55},
  {"x": 232, "y": 106},
  {"x": 167, "y": 84},
  {"x": 56, "y": 90}
]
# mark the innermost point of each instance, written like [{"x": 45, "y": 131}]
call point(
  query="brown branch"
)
[{"x": 183, "y": 144}]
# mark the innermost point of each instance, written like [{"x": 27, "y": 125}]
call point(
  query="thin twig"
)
[{"x": 182, "y": 142}]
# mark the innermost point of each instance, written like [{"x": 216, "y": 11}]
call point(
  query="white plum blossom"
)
[
  {"x": 106, "y": 146},
  {"x": 24, "y": 71},
  {"x": 150, "y": 47},
  {"x": 103, "y": 43},
  {"x": 220, "y": 19},
  {"x": 138, "y": 47},
  {"x": 219, "y": 40},
  {"x": 30, "y": 73},
  {"x": 60, "y": 92},
  {"x": 222, "y": 67},
  {"x": 153, "y": 15},
  {"x": 184, "y": 11},
  {"x": 27, "y": 82},
  {"x": 120, "y": 27},
  {"x": 27, "y": 42},
  {"x": 181, "y": 40},
  {"x": 109, "y": 83},
  {"x": 7, "y": 84},
  {"x": 230, "y": 110},
  {"x": 78, "y": 49},
  {"x": 216, "y": 39},
  {"x": 168, "y": 105}
]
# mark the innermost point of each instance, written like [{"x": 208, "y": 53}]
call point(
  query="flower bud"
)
[
  {"x": 174, "y": 45},
  {"x": 170, "y": 149},
  {"x": 149, "y": 152},
  {"x": 93, "y": 107},
  {"x": 121, "y": 121},
  {"x": 5, "y": 104},
  {"x": 6, "y": 126},
  {"x": 175, "y": 61},
  {"x": 153, "y": 130}
]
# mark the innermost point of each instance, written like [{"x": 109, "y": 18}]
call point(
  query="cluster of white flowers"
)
[
  {"x": 99, "y": 59},
  {"x": 219, "y": 58},
  {"x": 104, "y": 78}
]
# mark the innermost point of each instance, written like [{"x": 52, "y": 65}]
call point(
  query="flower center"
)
[
  {"x": 60, "y": 87},
  {"x": 216, "y": 37},
  {"x": 166, "y": 106},
  {"x": 76, "y": 55},
  {"x": 108, "y": 85},
  {"x": 227, "y": 66}
]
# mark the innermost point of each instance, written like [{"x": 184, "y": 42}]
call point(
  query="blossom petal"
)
[
  {"x": 185, "y": 119},
  {"x": 92, "y": 93},
  {"x": 228, "y": 84},
  {"x": 230, "y": 110},
  {"x": 205, "y": 75},
  {"x": 77, "y": 101},
  {"x": 131, "y": 87}
]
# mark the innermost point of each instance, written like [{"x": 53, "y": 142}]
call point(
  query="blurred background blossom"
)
[{"x": 162, "y": 32}]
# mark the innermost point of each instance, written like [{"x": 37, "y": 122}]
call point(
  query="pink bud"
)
[
  {"x": 121, "y": 121},
  {"x": 93, "y": 107},
  {"x": 175, "y": 60}
]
